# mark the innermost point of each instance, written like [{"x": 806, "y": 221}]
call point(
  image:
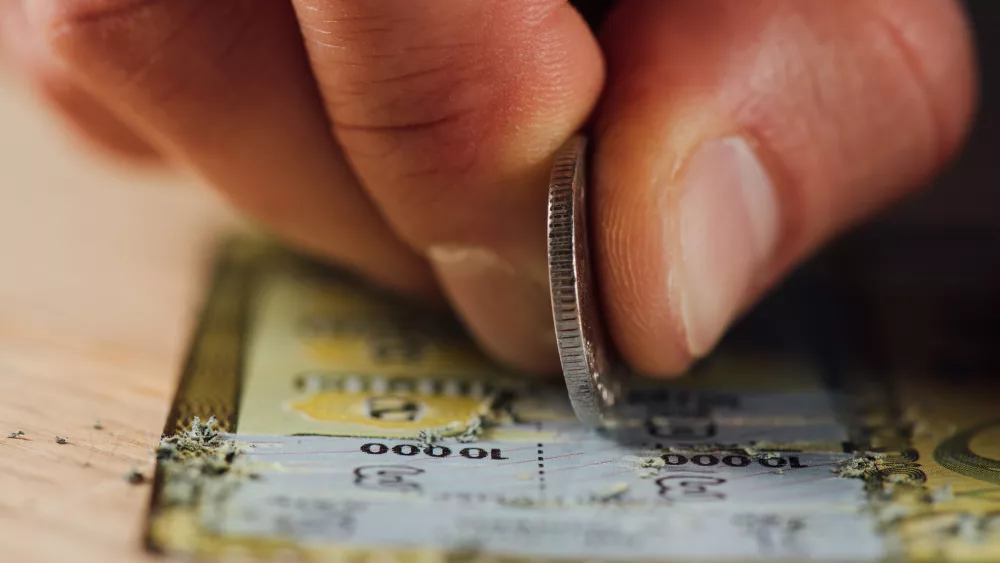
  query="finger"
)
[
  {"x": 735, "y": 137},
  {"x": 450, "y": 112},
  {"x": 11, "y": 13},
  {"x": 225, "y": 86},
  {"x": 90, "y": 119},
  {"x": 9, "y": 10}
]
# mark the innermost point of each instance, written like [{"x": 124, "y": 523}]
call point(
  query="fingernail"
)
[
  {"x": 728, "y": 230},
  {"x": 507, "y": 313}
]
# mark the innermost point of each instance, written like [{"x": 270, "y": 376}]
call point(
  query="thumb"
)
[{"x": 736, "y": 137}]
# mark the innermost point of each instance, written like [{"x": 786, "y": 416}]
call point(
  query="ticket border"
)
[{"x": 223, "y": 311}]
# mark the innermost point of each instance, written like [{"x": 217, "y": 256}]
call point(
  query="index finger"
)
[{"x": 450, "y": 112}]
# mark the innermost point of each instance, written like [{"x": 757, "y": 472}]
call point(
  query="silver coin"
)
[{"x": 593, "y": 378}]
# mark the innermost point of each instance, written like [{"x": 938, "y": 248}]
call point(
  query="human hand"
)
[{"x": 410, "y": 140}]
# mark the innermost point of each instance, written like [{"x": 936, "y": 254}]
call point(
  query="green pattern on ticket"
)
[{"x": 366, "y": 428}]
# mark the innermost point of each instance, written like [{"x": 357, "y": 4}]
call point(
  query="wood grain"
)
[{"x": 101, "y": 273}]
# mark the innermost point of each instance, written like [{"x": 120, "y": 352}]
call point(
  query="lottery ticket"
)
[{"x": 319, "y": 419}]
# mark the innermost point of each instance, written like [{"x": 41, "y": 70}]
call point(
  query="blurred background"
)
[
  {"x": 968, "y": 194},
  {"x": 929, "y": 269}
]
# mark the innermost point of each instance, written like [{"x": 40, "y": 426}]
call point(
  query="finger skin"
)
[
  {"x": 225, "y": 87},
  {"x": 450, "y": 112},
  {"x": 846, "y": 106},
  {"x": 87, "y": 116}
]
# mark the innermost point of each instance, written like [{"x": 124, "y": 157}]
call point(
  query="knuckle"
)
[
  {"x": 401, "y": 84},
  {"x": 934, "y": 52},
  {"x": 404, "y": 90},
  {"x": 157, "y": 47},
  {"x": 416, "y": 122},
  {"x": 447, "y": 142},
  {"x": 81, "y": 25},
  {"x": 440, "y": 101}
]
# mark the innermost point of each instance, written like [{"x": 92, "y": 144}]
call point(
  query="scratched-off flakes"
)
[{"x": 366, "y": 429}]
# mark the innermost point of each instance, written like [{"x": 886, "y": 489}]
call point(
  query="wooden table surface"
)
[{"x": 101, "y": 272}]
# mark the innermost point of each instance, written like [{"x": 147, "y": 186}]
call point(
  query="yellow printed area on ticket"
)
[
  {"x": 946, "y": 404},
  {"x": 319, "y": 419}
]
